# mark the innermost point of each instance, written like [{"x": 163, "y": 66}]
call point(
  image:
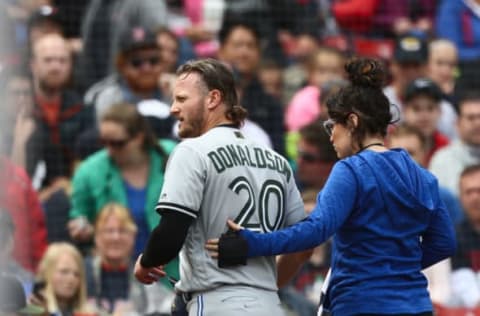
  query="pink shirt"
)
[
  {"x": 303, "y": 109},
  {"x": 194, "y": 9}
]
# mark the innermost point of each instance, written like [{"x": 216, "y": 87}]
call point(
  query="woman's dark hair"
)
[
  {"x": 127, "y": 115},
  {"x": 364, "y": 97},
  {"x": 215, "y": 75}
]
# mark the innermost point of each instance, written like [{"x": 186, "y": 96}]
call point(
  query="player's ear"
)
[{"x": 214, "y": 98}]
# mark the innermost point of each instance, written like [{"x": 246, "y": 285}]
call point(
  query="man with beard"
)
[
  {"x": 240, "y": 47},
  {"x": 58, "y": 112},
  {"x": 448, "y": 162},
  {"x": 215, "y": 174},
  {"x": 136, "y": 81}
]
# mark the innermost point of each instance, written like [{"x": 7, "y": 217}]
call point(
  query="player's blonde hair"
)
[{"x": 47, "y": 267}]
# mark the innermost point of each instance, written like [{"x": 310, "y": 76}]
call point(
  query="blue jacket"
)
[{"x": 389, "y": 224}]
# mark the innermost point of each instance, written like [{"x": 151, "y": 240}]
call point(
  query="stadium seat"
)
[{"x": 377, "y": 48}]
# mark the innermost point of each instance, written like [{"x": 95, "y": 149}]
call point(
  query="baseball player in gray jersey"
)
[{"x": 214, "y": 175}]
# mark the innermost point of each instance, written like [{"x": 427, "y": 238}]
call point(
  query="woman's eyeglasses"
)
[
  {"x": 328, "y": 126},
  {"x": 139, "y": 62},
  {"x": 114, "y": 143}
]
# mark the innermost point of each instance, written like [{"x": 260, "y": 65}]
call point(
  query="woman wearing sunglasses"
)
[
  {"x": 129, "y": 170},
  {"x": 382, "y": 209}
]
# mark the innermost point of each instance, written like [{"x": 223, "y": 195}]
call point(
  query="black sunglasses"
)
[
  {"x": 138, "y": 62},
  {"x": 114, "y": 143},
  {"x": 308, "y": 157}
]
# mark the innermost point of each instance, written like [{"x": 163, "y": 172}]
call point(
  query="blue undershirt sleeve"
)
[{"x": 334, "y": 204}]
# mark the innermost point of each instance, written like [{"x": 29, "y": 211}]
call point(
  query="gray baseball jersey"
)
[{"x": 222, "y": 175}]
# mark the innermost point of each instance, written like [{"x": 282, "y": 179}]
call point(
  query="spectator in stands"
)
[
  {"x": 459, "y": 22},
  {"x": 270, "y": 76},
  {"x": 240, "y": 47},
  {"x": 315, "y": 157},
  {"x": 59, "y": 115},
  {"x": 44, "y": 20},
  {"x": 109, "y": 271},
  {"x": 295, "y": 74},
  {"x": 8, "y": 265},
  {"x": 447, "y": 163},
  {"x": 138, "y": 72},
  {"x": 63, "y": 273},
  {"x": 169, "y": 49},
  {"x": 13, "y": 300},
  {"x": 138, "y": 68},
  {"x": 324, "y": 65},
  {"x": 409, "y": 63},
  {"x": 327, "y": 89},
  {"x": 17, "y": 115},
  {"x": 197, "y": 23},
  {"x": 278, "y": 22},
  {"x": 399, "y": 17},
  {"x": 385, "y": 18},
  {"x": 421, "y": 109},
  {"x": 170, "y": 54},
  {"x": 128, "y": 171},
  {"x": 466, "y": 261},
  {"x": 104, "y": 23},
  {"x": 19, "y": 199},
  {"x": 442, "y": 66}
]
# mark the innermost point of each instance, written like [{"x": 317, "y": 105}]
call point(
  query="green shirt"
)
[{"x": 98, "y": 181}]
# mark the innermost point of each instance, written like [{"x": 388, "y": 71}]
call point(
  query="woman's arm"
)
[
  {"x": 334, "y": 205},
  {"x": 438, "y": 242},
  {"x": 82, "y": 203}
]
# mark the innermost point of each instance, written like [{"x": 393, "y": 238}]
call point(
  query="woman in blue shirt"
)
[{"x": 383, "y": 210}]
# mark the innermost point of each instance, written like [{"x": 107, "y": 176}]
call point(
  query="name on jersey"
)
[{"x": 231, "y": 156}]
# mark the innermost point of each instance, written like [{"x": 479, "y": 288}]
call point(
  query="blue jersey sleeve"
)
[
  {"x": 334, "y": 204},
  {"x": 438, "y": 242}
]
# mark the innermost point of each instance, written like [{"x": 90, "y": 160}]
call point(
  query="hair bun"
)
[{"x": 365, "y": 72}]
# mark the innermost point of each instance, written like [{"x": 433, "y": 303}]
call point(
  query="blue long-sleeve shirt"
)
[{"x": 389, "y": 224}]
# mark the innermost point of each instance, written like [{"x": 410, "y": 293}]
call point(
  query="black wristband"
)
[
  {"x": 232, "y": 250},
  {"x": 144, "y": 262}
]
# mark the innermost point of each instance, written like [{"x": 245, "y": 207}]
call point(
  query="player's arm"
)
[
  {"x": 289, "y": 264},
  {"x": 166, "y": 239},
  {"x": 163, "y": 245}
]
